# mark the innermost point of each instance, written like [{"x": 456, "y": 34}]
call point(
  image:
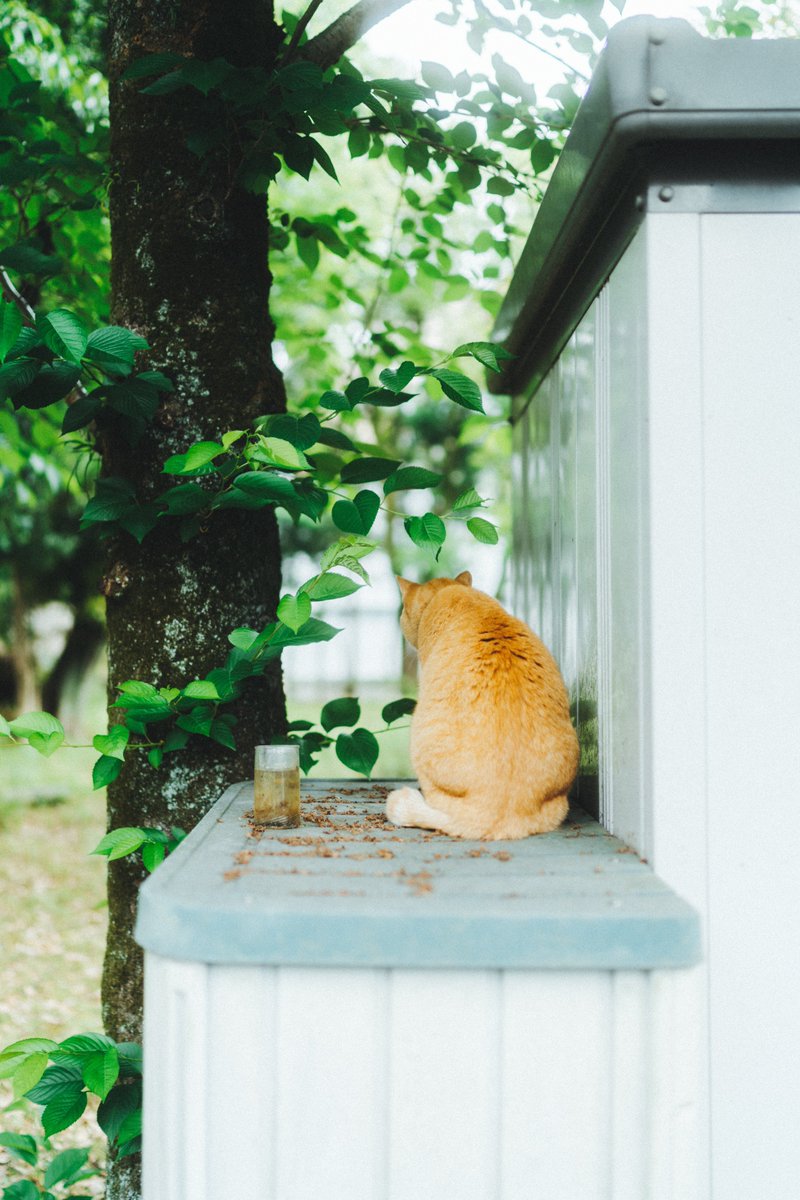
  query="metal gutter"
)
[{"x": 665, "y": 106}]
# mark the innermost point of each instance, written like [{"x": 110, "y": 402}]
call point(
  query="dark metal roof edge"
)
[{"x": 634, "y": 103}]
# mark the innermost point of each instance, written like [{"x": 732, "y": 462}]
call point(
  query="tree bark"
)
[{"x": 190, "y": 273}]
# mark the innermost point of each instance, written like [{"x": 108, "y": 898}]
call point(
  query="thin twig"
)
[{"x": 300, "y": 29}]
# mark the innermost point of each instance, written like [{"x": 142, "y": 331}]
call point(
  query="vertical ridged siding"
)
[{"x": 284, "y": 1083}]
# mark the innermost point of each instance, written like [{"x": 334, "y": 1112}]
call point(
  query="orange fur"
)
[{"x": 491, "y": 738}]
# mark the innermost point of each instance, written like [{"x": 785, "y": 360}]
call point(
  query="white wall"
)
[
  {"x": 680, "y": 453},
  {"x": 288, "y": 1083}
]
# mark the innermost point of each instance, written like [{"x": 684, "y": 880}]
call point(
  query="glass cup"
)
[{"x": 276, "y": 793}]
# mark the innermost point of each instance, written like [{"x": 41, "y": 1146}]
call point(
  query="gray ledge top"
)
[
  {"x": 666, "y": 106},
  {"x": 347, "y": 888}
]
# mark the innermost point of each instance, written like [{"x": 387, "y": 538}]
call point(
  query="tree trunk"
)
[
  {"x": 82, "y": 648},
  {"x": 190, "y": 273},
  {"x": 26, "y": 697}
]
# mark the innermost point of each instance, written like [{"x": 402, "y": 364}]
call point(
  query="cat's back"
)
[{"x": 475, "y": 653}]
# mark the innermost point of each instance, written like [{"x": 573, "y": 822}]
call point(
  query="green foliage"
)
[
  {"x": 154, "y": 844},
  {"x": 357, "y": 749},
  {"x": 60, "y": 1076}
]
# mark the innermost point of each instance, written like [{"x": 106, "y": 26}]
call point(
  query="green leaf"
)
[
  {"x": 308, "y": 252},
  {"x": 427, "y": 531},
  {"x": 122, "y": 1100},
  {"x": 282, "y": 454},
  {"x": 242, "y": 638},
  {"x": 467, "y": 499},
  {"x": 358, "y": 750},
  {"x": 344, "y": 711},
  {"x": 312, "y": 631},
  {"x": 396, "y": 381},
  {"x": 269, "y": 484},
  {"x": 497, "y": 186},
  {"x": 53, "y": 382},
  {"x": 330, "y": 585},
  {"x": 463, "y": 135},
  {"x": 356, "y": 515},
  {"x": 397, "y": 708},
  {"x": 84, "y": 410},
  {"x": 358, "y": 142},
  {"x": 105, "y": 771},
  {"x": 407, "y": 478},
  {"x": 60, "y": 1079},
  {"x": 483, "y": 531},
  {"x": 66, "y": 1167},
  {"x": 81, "y": 1045},
  {"x": 196, "y": 460},
  {"x": 62, "y": 1112},
  {"x": 460, "y": 388},
  {"x": 114, "y": 347},
  {"x": 101, "y": 1070},
  {"x": 18, "y": 374},
  {"x": 22, "y": 1145},
  {"x": 29, "y": 1072},
  {"x": 185, "y": 498},
  {"x": 136, "y": 689},
  {"x": 112, "y": 499},
  {"x": 28, "y": 259},
  {"x": 301, "y": 432},
  {"x": 43, "y": 731},
  {"x": 368, "y": 470},
  {"x": 201, "y": 689},
  {"x": 64, "y": 334},
  {"x": 489, "y": 354},
  {"x": 131, "y": 1127},
  {"x": 112, "y": 743},
  {"x": 335, "y": 402},
  {"x": 10, "y": 326},
  {"x": 130, "y": 1053},
  {"x": 23, "y": 1189},
  {"x": 120, "y": 842},
  {"x": 437, "y": 76},
  {"x": 542, "y": 154},
  {"x": 14, "y": 1054},
  {"x": 5, "y": 728},
  {"x": 294, "y": 611}
]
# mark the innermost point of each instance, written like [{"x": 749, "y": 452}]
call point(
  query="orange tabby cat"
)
[{"x": 491, "y": 739}]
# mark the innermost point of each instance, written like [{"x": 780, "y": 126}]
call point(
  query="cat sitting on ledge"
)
[{"x": 492, "y": 743}]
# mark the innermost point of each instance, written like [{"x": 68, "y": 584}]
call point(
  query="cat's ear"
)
[
  {"x": 404, "y": 585},
  {"x": 464, "y": 578}
]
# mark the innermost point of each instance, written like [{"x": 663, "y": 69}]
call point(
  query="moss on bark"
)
[{"x": 190, "y": 272}]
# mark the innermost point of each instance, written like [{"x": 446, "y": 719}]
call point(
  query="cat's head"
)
[{"x": 417, "y": 597}]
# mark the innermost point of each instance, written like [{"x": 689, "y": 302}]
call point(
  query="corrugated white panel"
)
[
  {"x": 330, "y": 1085},
  {"x": 176, "y": 1081},
  {"x": 750, "y": 312},
  {"x": 242, "y": 1133},
  {"x": 676, "y": 787},
  {"x": 627, "y": 358},
  {"x": 295, "y": 1084},
  {"x": 444, "y": 1103},
  {"x": 556, "y": 1085}
]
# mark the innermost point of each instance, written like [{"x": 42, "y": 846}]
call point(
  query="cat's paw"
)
[{"x": 402, "y": 806}]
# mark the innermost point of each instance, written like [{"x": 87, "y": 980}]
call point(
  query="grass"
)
[
  {"x": 52, "y": 923},
  {"x": 52, "y": 920}
]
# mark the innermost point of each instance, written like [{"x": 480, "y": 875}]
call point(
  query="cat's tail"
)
[{"x": 408, "y": 807}]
